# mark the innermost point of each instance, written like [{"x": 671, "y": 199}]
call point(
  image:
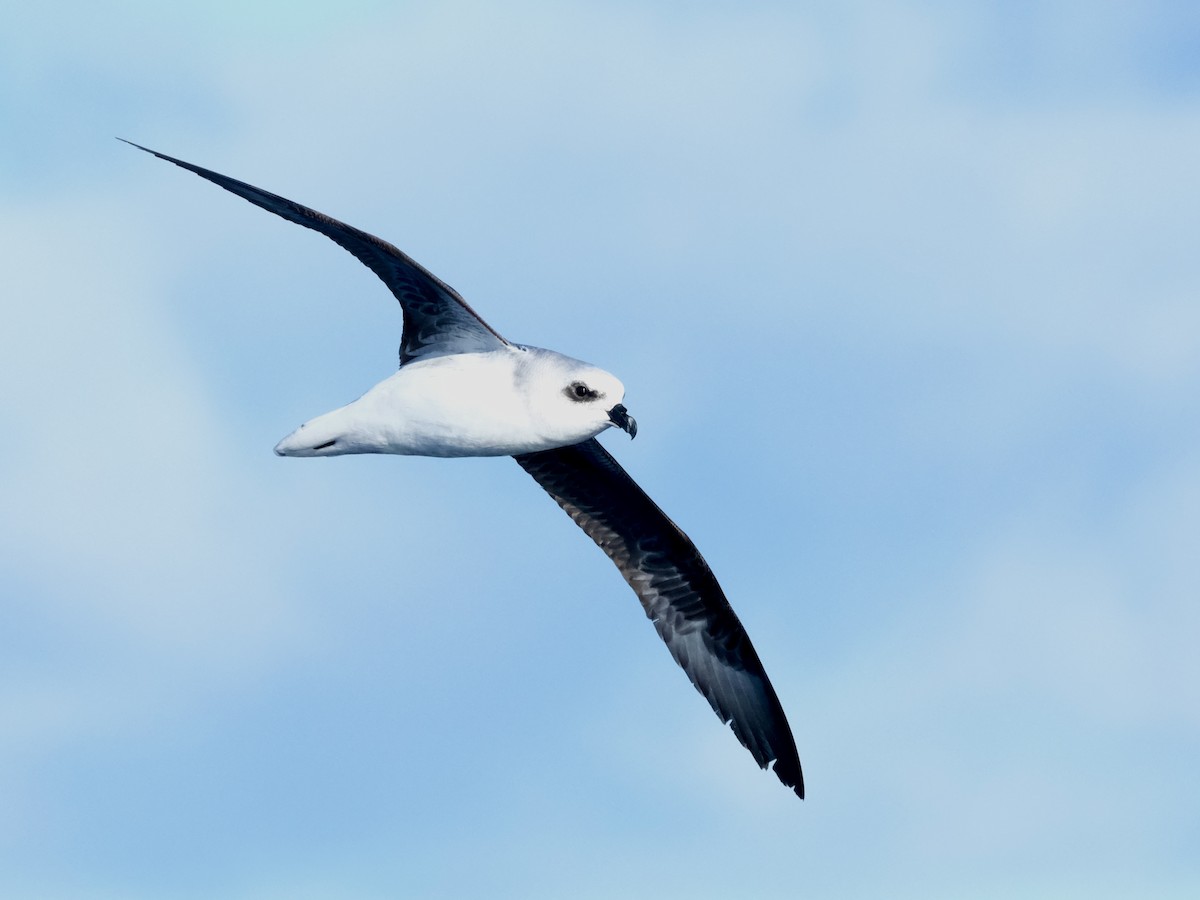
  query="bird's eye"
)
[{"x": 577, "y": 390}]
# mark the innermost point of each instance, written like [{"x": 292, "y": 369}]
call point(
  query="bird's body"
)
[
  {"x": 463, "y": 390},
  {"x": 498, "y": 403}
]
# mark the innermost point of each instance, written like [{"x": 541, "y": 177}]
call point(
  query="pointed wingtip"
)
[
  {"x": 790, "y": 775},
  {"x": 163, "y": 156},
  {"x": 145, "y": 149},
  {"x": 797, "y": 788}
]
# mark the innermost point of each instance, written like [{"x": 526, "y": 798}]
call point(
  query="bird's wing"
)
[
  {"x": 437, "y": 321},
  {"x": 679, "y": 593}
]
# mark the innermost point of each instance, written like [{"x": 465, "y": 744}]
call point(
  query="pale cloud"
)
[{"x": 142, "y": 567}]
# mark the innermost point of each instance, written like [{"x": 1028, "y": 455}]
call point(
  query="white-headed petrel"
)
[{"x": 463, "y": 390}]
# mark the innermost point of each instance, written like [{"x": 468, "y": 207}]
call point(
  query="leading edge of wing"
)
[
  {"x": 679, "y": 592},
  {"x": 437, "y": 321}
]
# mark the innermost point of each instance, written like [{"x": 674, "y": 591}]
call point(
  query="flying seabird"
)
[{"x": 463, "y": 390}]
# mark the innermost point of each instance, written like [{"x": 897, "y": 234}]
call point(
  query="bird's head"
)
[{"x": 573, "y": 400}]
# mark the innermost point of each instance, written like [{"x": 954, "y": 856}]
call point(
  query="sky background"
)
[{"x": 906, "y": 298}]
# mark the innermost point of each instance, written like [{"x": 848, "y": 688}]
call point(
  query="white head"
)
[{"x": 569, "y": 400}]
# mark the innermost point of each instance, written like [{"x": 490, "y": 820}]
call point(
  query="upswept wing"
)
[
  {"x": 437, "y": 321},
  {"x": 679, "y": 593}
]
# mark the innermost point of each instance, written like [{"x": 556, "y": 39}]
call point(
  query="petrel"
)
[{"x": 463, "y": 390}]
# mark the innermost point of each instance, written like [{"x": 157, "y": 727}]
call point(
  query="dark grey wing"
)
[
  {"x": 679, "y": 593},
  {"x": 437, "y": 321}
]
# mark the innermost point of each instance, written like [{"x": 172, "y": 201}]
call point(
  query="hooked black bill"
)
[{"x": 620, "y": 417}]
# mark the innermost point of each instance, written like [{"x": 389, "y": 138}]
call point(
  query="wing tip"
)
[
  {"x": 790, "y": 775},
  {"x": 139, "y": 146},
  {"x": 796, "y": 784},
  {"x": 163, "y": 156}
]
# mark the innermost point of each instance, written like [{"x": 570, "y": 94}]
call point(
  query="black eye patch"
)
[{"x": 577, "y": 390}]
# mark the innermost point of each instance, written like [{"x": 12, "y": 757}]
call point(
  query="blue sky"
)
[{"x": 905, "y": 297}]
